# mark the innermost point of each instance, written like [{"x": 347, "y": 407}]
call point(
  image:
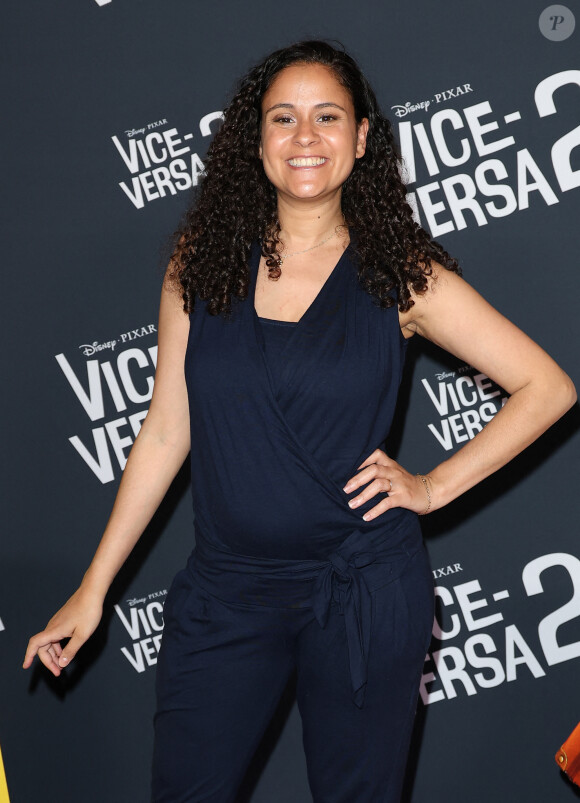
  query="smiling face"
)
[{"x": 310, "y": 137}]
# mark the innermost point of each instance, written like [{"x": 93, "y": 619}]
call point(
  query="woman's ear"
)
[{"x": 361, "y": 140}]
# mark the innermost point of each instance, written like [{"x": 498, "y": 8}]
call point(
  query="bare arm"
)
[
  {"x": 454, "y": 316},
  {"x": 155, "y": 458},
  {"x": 157, "y": 454}
]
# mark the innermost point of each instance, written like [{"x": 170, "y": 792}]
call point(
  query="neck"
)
[{"x": 303, "y": 225}]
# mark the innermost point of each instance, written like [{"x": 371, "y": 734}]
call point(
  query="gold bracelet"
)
[{"x": 427, "y": 490}]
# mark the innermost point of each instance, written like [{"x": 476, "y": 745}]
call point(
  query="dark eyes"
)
[{"x": 287, "y": 120}]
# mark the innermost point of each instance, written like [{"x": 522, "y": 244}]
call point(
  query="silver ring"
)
[{"x": 390, "y": 486}]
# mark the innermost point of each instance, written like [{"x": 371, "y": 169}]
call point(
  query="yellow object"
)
[{"x": 3, "y": 785}]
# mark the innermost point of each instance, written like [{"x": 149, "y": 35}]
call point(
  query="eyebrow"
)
[{"x": 291, "y": 106}]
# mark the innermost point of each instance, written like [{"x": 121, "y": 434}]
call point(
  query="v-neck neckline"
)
[{"x": 255, "y": 266}]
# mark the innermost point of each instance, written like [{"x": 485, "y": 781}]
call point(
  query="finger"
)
[
  {"x": 380, "y": 485},
  {"x": 40, "y": 640},
  {"x": 382, "y": 507},
  {"x": 53, "y": 654},
  {"x": 378, "y": 456},
  {"x": 53, "y": 658},
  {"x": 70, "y": 650},
  {"x": 366, "y": 475},
  {"x": 46, "y": 658}
]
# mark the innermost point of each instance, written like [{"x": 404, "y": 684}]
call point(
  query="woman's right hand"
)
[{"x": 77, "y": 619}]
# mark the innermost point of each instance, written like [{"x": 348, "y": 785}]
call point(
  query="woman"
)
[{"x": 294, "y": 286}]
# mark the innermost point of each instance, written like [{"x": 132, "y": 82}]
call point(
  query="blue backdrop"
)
[{"x": 108, "y": 113}]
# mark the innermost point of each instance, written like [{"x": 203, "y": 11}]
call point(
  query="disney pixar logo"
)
[{"x": 402, "y": 110}]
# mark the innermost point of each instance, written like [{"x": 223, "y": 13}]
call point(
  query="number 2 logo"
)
[
  {"x": 548, "y": 627},
  {"x": 561, "y": 149}
]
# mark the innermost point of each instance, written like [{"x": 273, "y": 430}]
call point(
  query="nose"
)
[{"x": 305, "y": 134}]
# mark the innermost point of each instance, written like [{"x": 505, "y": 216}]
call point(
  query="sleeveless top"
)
[{"x": 276, "y": 433}]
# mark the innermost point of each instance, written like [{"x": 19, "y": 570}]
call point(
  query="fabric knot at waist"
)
[
  {"x": 343, "y": 581},
  {"x": 361, "y": 564}
]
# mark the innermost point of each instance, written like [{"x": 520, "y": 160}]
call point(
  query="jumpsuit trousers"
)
[{"x": 223, "y": 666}]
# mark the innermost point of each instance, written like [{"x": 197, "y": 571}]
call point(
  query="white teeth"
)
[{"x": 309, "y": 161}]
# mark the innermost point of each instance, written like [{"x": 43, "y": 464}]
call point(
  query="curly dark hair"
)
[{"x": 237, "y": 206}]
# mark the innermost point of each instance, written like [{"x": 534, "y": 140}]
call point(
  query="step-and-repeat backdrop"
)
[{"x": 109, "y": 110}]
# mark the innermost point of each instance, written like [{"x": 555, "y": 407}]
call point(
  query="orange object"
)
[{"x": 568, "y": 756}]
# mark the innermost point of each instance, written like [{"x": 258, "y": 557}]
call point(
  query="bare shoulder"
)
[
  {"x": 169, "y": 393},
  {"x": 173, "y": 323},
  {"x": 444, "y": 288},
  {"x": 172, "y": 299},
  {"x": 454, "y": 316}
]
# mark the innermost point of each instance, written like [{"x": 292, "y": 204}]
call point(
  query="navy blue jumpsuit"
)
[{"x": 284, "y": 575}]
